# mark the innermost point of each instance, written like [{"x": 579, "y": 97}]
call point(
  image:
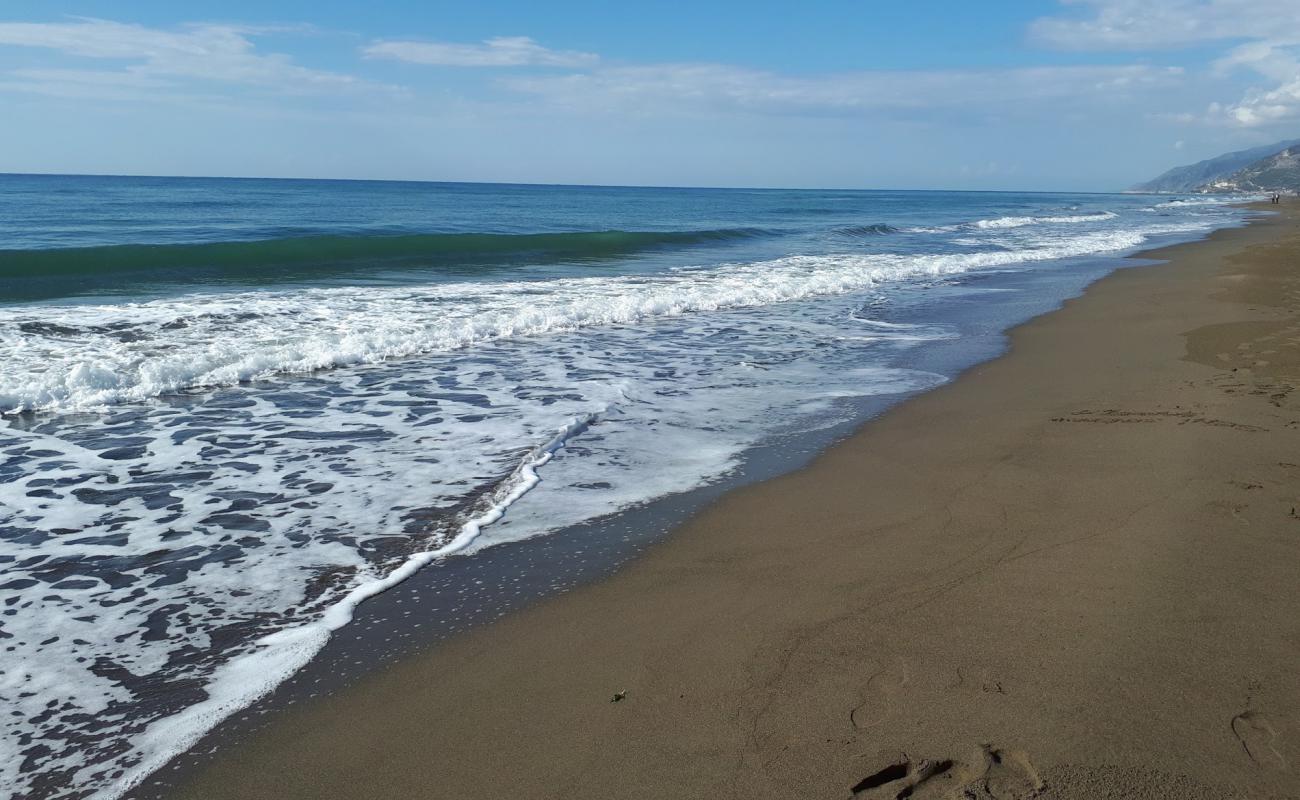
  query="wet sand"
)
[{"x": 1072, "y": 573}]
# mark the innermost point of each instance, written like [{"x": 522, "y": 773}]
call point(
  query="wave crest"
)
[
  {"x": 1019, "y": 222},
  {"x": 36, "y": 274},
  {"x": 135, "y": 352},
  {"x": 859, "y": 231}
]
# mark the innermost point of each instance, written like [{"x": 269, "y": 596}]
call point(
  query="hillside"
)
[
  {"x": 1276, "y": 173},
  {"x": 1197, "y": 177}
]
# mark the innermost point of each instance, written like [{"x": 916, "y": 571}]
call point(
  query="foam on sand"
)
[{"x": 239, "y": 682}]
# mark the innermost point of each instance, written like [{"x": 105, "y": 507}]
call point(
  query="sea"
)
[{"x": 232, "y": 410}]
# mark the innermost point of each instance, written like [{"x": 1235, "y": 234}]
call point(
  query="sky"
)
[{"x": 1085, "y": 95}]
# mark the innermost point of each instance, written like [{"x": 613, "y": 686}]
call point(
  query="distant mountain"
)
[
  {"x": 1196, "y": 177},
  {"x": 1279, "y": 172}
]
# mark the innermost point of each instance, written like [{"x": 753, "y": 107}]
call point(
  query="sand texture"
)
[{"x": 1072, "y": 573}]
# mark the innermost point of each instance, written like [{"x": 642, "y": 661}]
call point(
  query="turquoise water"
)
[{"x": 231, "y": 410}]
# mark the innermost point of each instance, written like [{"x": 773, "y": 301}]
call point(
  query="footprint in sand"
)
[
  {"x": 993, "y": 774},
  {"x": 905, "y": 778},
  {"x": 879, "y": 694},
  {"x": 1007, "y": 775},
  {"x": 1259, "y": 739}
]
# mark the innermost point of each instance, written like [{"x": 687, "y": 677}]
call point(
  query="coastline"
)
[{"x": 907, "y": 591}]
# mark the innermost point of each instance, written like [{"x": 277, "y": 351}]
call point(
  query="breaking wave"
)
[
  {"x": 125, "y": 353},
  {"x": 35, "y": 274}
]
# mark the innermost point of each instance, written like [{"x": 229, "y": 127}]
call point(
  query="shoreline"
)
[
  {"x": 450, "y": 597},
  {"x": 649, "y": 650}
]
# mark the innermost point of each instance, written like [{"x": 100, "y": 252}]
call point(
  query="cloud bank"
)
[{"x": 218, "y": 54}]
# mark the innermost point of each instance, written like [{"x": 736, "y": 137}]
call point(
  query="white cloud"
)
[
  {"x": 1153, "y": 24},
  {"x": 212, "y": 53},
  {"x": 502, "y": 51},
  {"x": 1263, "y": 107},
  {"x": 89, "y": 77},
  {"x": 1279, "y": 62},
  {"x": 667, "y": 87},
  {"x": 1272, "y": 59},
  {"x": 1267, "y": 32}
]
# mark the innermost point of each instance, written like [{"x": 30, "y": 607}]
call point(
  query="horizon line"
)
[{"x": 557, "y": 185}]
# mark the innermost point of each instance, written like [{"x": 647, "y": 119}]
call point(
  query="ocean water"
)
[{"x": 232, "y": 410}]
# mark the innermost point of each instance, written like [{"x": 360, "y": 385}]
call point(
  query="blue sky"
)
[{"x": 1078, "y": 94}]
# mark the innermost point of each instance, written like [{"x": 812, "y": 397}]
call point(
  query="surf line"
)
[{"x": 247, "y": 678}]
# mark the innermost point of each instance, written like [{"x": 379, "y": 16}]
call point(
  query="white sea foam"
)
[
  {"x": 1020, "y": 222},
  {"x": 88, "y": 357},
  {"x": 1209, "y": 200},
  {"x": 273, "y": 658},
  {"x": 996, "y": 223},
  {"x": 316, "y": 466}
]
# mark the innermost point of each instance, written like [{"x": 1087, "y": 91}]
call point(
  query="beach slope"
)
[{"x": 1072, "y": 573}]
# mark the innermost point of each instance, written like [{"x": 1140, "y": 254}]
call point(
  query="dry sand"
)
[{"x": 1072, "y": 573}]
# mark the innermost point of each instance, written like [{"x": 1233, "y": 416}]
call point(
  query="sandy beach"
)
[{"x": 1072, "y": 573}]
